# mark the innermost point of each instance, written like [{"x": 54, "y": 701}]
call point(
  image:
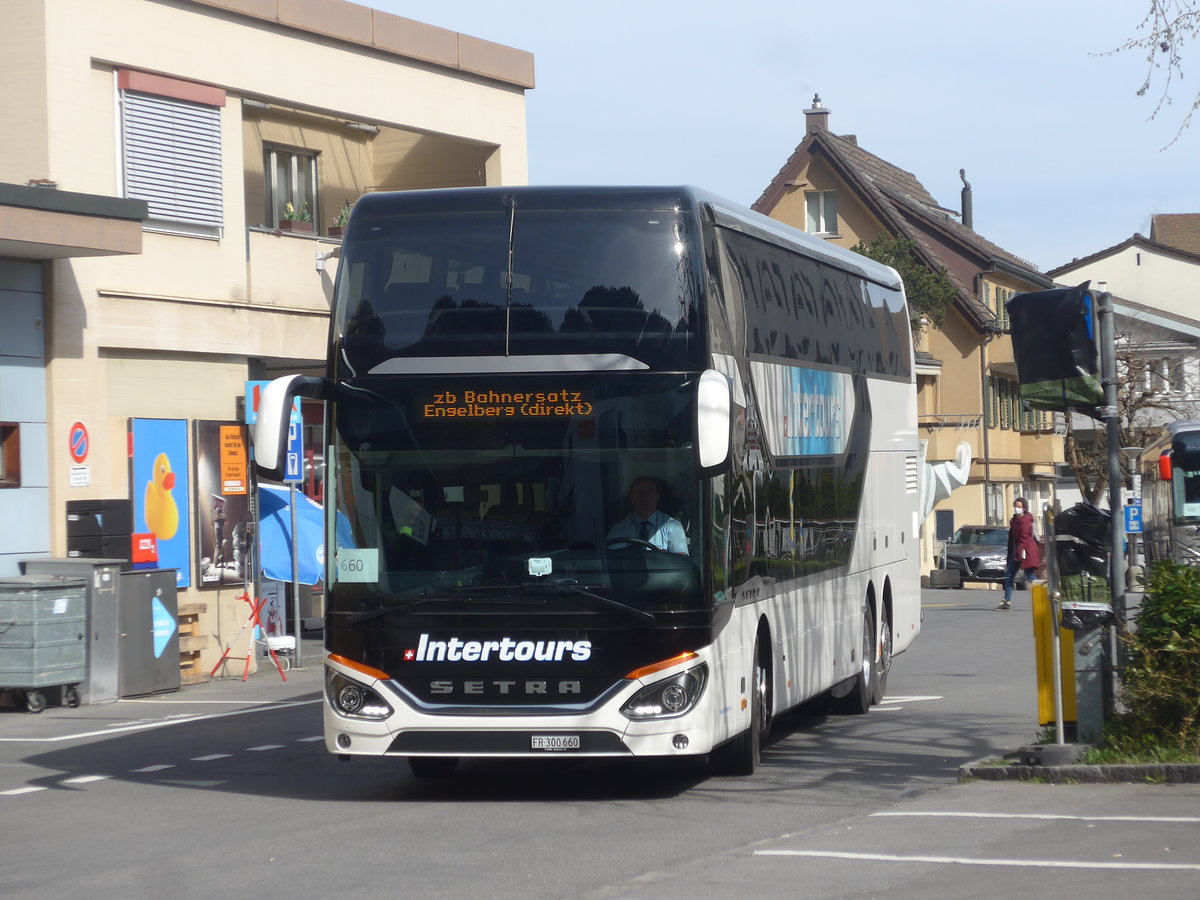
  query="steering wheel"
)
[{"x": 635, "y": 542}]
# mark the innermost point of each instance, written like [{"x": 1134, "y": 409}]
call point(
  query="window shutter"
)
[{"x": 173, "y": 157}]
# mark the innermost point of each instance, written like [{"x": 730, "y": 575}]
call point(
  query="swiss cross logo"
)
[{"x": 410, "y": 655}]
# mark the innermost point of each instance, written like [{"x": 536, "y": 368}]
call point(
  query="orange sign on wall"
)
[{"x": 233, "y": 460}]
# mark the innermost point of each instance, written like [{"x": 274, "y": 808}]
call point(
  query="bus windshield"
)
[
  {"x": 519, "y": 282},
  {"x": 454, "y": 492},
  {"x": 1186, "y": 488}
]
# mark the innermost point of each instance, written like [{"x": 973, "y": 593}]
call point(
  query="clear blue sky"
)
[{"x": 1059, "y": 149}]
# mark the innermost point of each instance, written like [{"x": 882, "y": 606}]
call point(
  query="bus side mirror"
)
[
  {"x": 712, "y": 419},
  {"x": 274, "y": 414}
]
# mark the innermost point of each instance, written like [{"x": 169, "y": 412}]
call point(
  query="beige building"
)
[
  {"x": 158, "y": 160},
  {"x": 966, "y": 381}
]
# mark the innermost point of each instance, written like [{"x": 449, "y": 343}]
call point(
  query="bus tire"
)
[
  {"x": 433, "y": 766},
  {"x": 882, "y": 666},
  {"x": 858, "y": 691},
  {"x": 742, "y": 755}
]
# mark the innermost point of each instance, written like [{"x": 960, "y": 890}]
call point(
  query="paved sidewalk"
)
[{"x": 225, "y": 694}]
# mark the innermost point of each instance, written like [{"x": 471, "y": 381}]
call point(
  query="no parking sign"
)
[
  {"x": 78, "y": 446},
  {"x": 78, "y": 442}
]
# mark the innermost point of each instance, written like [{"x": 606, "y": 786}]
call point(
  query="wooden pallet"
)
[{"x": 191, "y": 643}]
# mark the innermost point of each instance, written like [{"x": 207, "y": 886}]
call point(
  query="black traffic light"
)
[{"x": 1054, "y": 343}]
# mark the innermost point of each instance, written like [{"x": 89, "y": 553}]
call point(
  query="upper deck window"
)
[{"x": 566, "y": 282}]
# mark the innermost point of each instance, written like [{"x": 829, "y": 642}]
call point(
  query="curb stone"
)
[{"x": 992, "y": 769}]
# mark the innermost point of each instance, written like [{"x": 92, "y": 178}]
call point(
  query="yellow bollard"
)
[{"x": 1044, "y": 631}]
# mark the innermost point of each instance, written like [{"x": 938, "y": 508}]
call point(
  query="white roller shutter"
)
[{"x": 173, "y": 157}]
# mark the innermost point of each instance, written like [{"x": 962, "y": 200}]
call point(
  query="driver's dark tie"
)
[{"x": 644, "y": 531}]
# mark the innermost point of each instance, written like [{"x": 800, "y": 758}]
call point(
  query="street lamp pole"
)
[
  {"x": 1108, "y": 373},
  {"x": 1116, "y": 561}
]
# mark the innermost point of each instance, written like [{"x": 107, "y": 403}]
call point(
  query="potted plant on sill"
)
[
  {"x": 337, "y": 225},
  {"x": 296, "y": 219}
]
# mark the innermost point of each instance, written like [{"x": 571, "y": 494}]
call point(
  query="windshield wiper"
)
[
  {"x": 409, "y": 605},
  {"x": 406, "y": 606},
  {"x": 558, "y": 587},
  {"x": 633, "y": 612}
]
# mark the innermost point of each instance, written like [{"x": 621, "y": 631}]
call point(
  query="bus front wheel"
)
[{"x": 742, "y": 755}]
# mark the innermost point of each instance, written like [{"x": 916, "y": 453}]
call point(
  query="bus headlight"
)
[
  {"x": 668, "y": 698},
  {"x": 349, "y": 698}
]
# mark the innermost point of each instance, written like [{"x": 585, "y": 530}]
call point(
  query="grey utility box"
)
[
  {"x": 149, "y": 632},
  {"x": 43, "y": 630},
  {"x": 103, "y": 617}
]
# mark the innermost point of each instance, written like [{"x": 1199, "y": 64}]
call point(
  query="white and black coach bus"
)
[{"x": 510, "y": 371}]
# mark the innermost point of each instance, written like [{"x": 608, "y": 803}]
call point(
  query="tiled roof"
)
[
  {"x": 1135, "y": 241},
  {"x": 1178, "y": 230},
  {"x": 899, "y": 199}
]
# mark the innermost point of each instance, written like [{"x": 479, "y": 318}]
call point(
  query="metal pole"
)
[
  {"x": 1108, "y": 373},
  {"x": 295, "y": 570},
  {"x": 984, "y": 421},
  {"x": 1055, "y": 613}
]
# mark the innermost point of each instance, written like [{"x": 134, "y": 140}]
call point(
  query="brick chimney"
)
[{"x": 817, "y": 118}]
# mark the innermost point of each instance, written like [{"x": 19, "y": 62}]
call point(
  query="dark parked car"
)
[{"x": 980, "y": 552}]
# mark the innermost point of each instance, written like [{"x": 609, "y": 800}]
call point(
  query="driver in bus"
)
[{"x": 647, "y": 523}]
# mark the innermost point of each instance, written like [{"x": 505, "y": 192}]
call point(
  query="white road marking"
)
[
  {"x": 211, "y": 757},
  {"x": 908, "y": 699},
  {"x": 969, "y": 861},
  {"x": 264, "y": 747},
  {"x": 145, "y": 725},
  {"x": 181, "y": 701},
  {"x": 1049, "y": 816},
  {"x": 25, "y": 790},
  {"x": 309, "y": 740},
  {"x": 158, "y": 768},
  {"x": 86, "y": 779}
]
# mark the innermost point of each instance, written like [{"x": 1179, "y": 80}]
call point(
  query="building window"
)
[
  {"x": 10, "y": 454},
  {"x": 1005, "y": 407},
  {"x": 291, "y": 178},
  {"x": 171, "y": 151},
  {"x": 1003, "y": 295},
  {"x": 1163, "y": 376},
  {"x": 821, "y": 212}
]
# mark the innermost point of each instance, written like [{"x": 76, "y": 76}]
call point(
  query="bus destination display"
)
[{"x": 462, "y": 404}]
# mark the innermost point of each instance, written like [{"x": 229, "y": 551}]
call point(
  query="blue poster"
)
[{"x": 159, "y": 484}]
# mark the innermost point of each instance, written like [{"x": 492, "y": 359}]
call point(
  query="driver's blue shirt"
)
[{"x": 666, "y": 533}]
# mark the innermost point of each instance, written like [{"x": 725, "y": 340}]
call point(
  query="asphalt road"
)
[{"x": 225, "y": 788}]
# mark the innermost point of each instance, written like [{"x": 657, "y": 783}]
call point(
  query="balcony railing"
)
[{"x": 961, "y": 421}]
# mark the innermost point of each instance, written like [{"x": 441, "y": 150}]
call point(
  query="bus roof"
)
[{"x": 724, "y": 212}]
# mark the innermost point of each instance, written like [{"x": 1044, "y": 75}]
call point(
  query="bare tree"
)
[
  {"x": 1167, "y": 27},
  {"x": 1145, "y": 402}
]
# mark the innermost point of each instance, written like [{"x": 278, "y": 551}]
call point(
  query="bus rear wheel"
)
[
  {"x": 879, "y": 672},
  {"x": 859, "y": 691}
]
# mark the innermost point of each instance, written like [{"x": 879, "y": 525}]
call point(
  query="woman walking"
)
[{"x": 1022, "y": 549}]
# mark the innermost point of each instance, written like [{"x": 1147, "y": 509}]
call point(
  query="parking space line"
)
[
  {"x": 31, "y": 789},
  {"x": 970, "y": 861},
  {"x": 143, "y": 726},
  {"x": 211, "y": 757},
  {"x": 86, "y": 779},
  {"x": 1047, "y": 816},
  {"x": 264, "y": 748}
]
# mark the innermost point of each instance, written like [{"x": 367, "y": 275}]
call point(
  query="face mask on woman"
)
[{"x": 1018, "y": 509}]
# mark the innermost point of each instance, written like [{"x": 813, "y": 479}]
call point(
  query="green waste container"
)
[{"x": 43, "y": 638}]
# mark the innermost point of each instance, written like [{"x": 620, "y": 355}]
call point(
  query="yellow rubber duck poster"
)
[{"x": 159, "y": 484}]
